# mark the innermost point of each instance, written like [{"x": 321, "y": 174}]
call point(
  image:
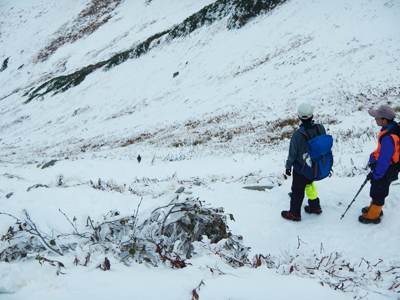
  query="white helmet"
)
[{"x": 305, "y": 111}]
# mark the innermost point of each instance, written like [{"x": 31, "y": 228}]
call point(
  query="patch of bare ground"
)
[{"x": 96, "y": 14}]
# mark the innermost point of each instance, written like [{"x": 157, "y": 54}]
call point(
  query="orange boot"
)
[
  {"x": 365, "y": 210},
  {"x": 372, "y": 216}
]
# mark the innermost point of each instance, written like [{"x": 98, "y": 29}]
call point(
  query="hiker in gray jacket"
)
[{"x": 297, "y": 154}]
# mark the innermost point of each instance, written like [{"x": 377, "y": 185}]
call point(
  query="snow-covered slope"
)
[
  {"x": 211, "y": 110},
  {"x": 341, "y": 57}
]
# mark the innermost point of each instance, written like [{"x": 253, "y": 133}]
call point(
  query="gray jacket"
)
[{"x": 297, "y": 147}]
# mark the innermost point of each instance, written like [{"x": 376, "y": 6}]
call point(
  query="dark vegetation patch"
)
[
  {"x": 4, "y": 65},
  {"x": 139, "y": 50},
  {"x": 240, "y": 11},
  {"x": 137, "y": 139},
  {"x": 49, "y": 164},
  {"x": 282, "y": 52},
  {"x": 63, "y": 83},
  {"x": 97, "y": 13},
  {"x": 218, "y": 130}
]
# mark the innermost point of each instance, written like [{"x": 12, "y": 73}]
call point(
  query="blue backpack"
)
[{"x": 318, "y": 162}]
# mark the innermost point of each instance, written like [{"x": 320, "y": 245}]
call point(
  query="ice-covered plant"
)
[{"x": 167, "y": 237}]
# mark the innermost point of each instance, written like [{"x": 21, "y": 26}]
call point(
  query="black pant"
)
[
  {"x": 379, "y": 190},
  {"x": 298, "y": 185}
]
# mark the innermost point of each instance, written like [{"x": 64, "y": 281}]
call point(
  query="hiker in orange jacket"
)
[{"x": 383, "y": 163}]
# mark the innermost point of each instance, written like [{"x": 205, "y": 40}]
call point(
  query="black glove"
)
[
  {"x": 370, "y": 176},
  {"x": 288, "y": 172},
  {"x": 372, "y": 165}
]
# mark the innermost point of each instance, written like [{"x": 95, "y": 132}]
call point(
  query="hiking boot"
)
[
  {"x": 310, "y": 210},
  {"x": 364, "y": 210},
  {"x": 369, "y": 221},
  {"x": 289, "y": 216},
  {"x": 313, "y": 207},
  {"x": 372, "y": 216}
]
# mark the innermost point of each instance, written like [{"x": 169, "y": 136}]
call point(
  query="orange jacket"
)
[{"x": 395, "y": 157}]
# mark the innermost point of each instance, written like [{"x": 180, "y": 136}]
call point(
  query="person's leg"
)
[
  {"x": 379, "y": 191},
  {"x": 298, "y": 189},
  {"x": 313, "y": 200}
]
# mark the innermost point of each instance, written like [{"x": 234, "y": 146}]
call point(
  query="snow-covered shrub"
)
[
  {"x": 339, "y": 273},
  {"x": 168, "y": 236},
  {"x": 107, "y": 186}
]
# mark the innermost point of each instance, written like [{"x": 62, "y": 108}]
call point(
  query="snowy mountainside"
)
[
  {"x": 342, "y": 59},
  {"x": 211, "y": 110}
]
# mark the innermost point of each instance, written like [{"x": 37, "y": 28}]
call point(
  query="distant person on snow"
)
[
  {"x": 382, "y": 162},
  {"x": 297, "y": 154}
]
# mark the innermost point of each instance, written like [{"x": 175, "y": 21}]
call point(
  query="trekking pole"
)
[{"x": 365, "y": 182}]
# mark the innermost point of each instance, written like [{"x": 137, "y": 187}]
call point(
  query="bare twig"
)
[
  {"x": 195, "y": 295},
  {"x": 135, "y": 221},
  {"x": 217, "y": 270},
  {"x": 87, "y": 258},
  {"x": 380, "y": 260},
  {"x": 34, "y": 231},
  {"x": 6, "y": 214},
  {"x": 298, "y": 241},
  {"x": 71, "y": 223},
  {"x": 368, "y": 264}
]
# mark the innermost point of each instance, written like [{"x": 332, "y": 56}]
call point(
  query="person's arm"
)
[
  {"x": 293, "y": 151},
  {"x": 385, "y": 157}
]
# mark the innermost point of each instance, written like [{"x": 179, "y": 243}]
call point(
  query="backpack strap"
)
[
  {"x": 307, "y": 135},
  {"x": 394, "y": 130},
  {"x": 319, "y": 130}
]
